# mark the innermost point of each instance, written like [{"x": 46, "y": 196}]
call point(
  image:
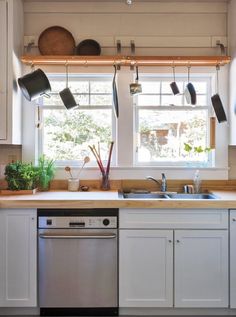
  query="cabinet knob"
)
[
  {"x": 170, "y": 241},
  {"x": 178, "y": 241},
  {"x": 32, "y": 218},
  {"x": 234, "y": 219}
]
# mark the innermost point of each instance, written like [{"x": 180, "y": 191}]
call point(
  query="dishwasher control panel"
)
[{"x": 95, "y": 222}]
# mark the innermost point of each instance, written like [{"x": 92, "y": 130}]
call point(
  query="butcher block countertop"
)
[{"x": 111, "y": 199}]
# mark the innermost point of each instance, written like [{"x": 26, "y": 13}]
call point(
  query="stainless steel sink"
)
[
  {"x": 145, "y": 196},
  {"x": 168, "y": 196},
  {"x": 192, "y": 196}
]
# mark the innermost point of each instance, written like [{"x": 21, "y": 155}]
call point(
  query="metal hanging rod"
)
[{"x": 127, "y": 60}]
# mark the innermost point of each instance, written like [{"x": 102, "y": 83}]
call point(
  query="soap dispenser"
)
[{"x": 197, "y": 182}]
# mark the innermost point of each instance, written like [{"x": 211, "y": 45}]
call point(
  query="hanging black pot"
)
[
  {"x": 216, "y": 101},
  {"x": 34, "y": 85}
]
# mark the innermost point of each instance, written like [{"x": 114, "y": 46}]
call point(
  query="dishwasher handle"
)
[{"x": 80, "y": 236}]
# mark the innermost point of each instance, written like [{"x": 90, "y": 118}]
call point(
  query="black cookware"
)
[
  {"x": 88, "y": 47},
  {"x": 218, "y": 107},
  {"x": 34, "y": 85},
  {"x": 66, "y": 94},
  {"x": 216, "y": 101},
  {"x": 190, "y": 92},
  {"x": 114, "y": 93},
  {"x": 173, "y": 85}
]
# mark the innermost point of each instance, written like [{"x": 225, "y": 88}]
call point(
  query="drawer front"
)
[{"x": 174, "y": 218}]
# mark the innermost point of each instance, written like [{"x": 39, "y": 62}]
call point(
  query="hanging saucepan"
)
[
  {"x": 135, "y": 88},
  {"x": 34, "y": 85},
  {"x": 190, "y": 92},
  {"x": 216, "y": 101},
  {"x": 66, "y": 95},
  {"x": 173, "y": 85},
  {"x": 114, "y": 93}
]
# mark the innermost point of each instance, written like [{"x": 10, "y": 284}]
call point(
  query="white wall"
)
[
  {"x": 161, "y": 28},
  {"x": 172, "y": 24}
]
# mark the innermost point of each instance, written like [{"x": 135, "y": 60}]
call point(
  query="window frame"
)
[
  {"x": 78, "y": 77},
  {"x": 159, "y": 78}
]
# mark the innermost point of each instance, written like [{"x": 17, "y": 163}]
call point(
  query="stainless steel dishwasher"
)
[{"x": 77, "y": 254}]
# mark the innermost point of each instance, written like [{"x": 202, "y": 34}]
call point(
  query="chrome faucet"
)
[{"x": 162, "y": 183}]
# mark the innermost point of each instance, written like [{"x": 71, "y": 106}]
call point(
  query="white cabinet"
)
[
  {"x": 233, "y": 258},
  {"x": 18, "y": 250},
  {"x": 11, "y": 48},
  {"x": 201, "y": 268},
  {"x": 149, "y": 255},
  {"x": 146, "y": 268},
  {"x": 3, "y": 69}
]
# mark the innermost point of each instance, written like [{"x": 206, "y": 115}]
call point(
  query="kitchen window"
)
[
  {"x": 168, "y": 130},
  {"x": 66, "y": 134},
  {"x": 155, "y": 129}
]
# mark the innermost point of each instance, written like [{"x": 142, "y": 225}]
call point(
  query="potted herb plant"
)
[
  {"x": 21, "y": 176},
  {"x": 46, "y": 172}
]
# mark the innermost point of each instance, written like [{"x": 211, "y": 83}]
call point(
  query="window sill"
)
[{"x": 140, "y": 172}]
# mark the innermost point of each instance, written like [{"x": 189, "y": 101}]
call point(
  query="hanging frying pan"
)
[
  {"x": 56, "y": 40},
  {"x": 190, "y": 92},
  {"x": 66, "y": 94},
  {"x": 88, "y": 47},
  {"x": 114, "y": 93},
  {"x": 216, "y": 101},
  {"x": 173, "y": 85}
]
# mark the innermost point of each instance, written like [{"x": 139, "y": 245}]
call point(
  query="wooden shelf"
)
[{"x": 126, "y": 60}]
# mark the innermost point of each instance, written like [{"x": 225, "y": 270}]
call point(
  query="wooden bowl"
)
[{"x": 56, "y": 40}]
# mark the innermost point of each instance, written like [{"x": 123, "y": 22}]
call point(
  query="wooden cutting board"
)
[{"x": 56, "y": 40}]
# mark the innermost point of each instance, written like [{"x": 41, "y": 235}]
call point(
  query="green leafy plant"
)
[
  {"x": 46, "y": 172},
  {"x": 20, "y": 176},
  {"x": 196, "y": 149}
]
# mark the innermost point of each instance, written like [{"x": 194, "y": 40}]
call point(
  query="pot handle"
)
[
  {"x": 44, "y": 94},
  {"x": 137, "y": 77}
]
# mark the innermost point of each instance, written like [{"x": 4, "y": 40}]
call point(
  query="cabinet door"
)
[
  {"x": 146, "y": 268},
  {"x": 201, "y": 268},
  {"x": 3, "y": 69},
  {"x": 18, "y": 258},
  {"x": 233, "y": 258}
]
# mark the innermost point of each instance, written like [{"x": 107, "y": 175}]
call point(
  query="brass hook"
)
[{"x": 32, "y": 66}]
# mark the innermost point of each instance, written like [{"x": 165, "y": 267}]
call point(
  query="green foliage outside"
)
[
  {"x": 67, "y": 134},
  {"x": 196, "y": 149}
]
